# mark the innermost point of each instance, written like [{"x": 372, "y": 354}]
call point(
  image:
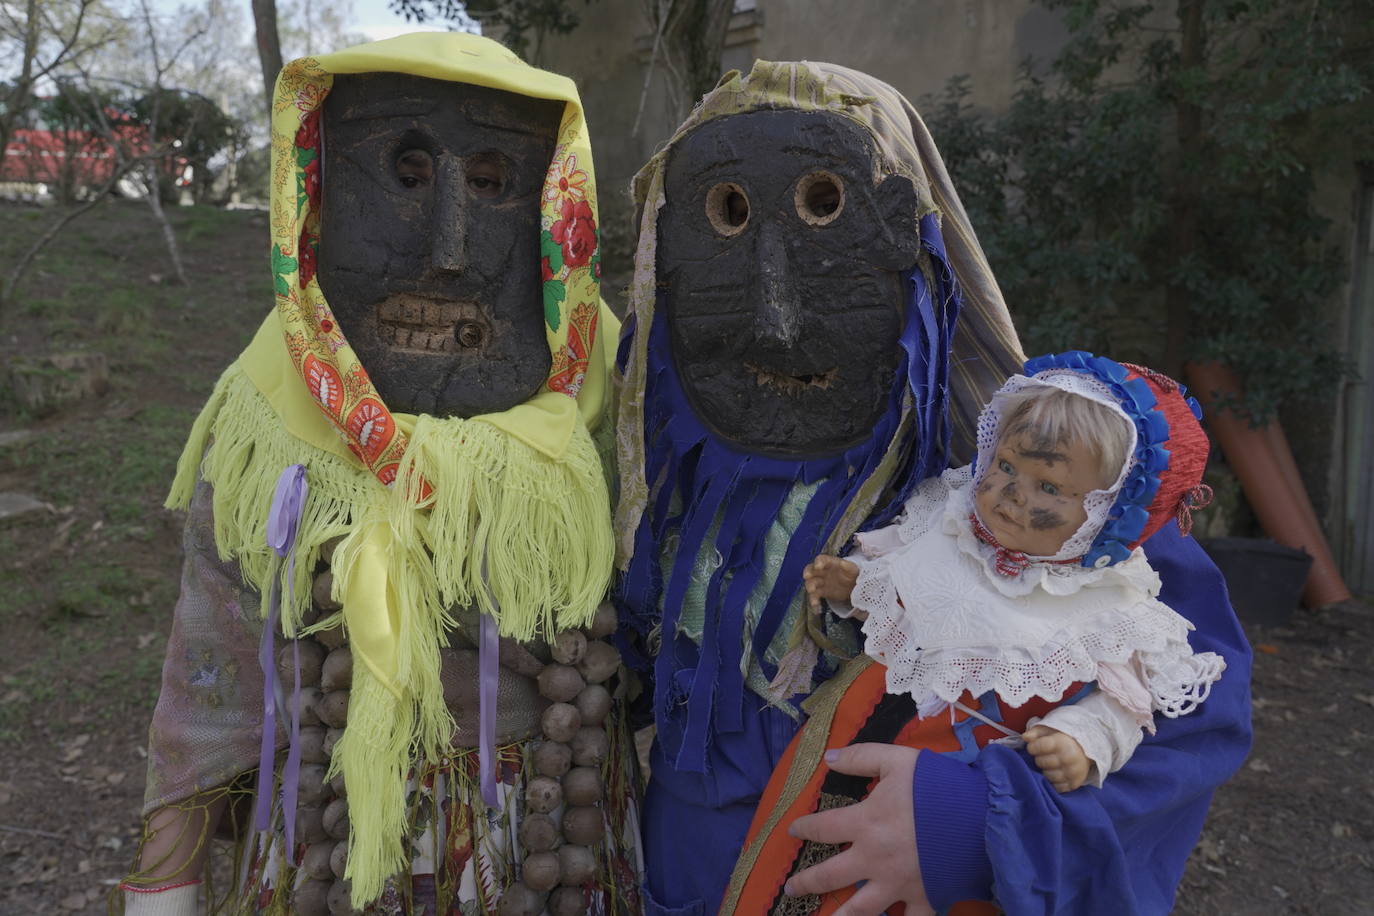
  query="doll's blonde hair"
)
[{"x": 1055, "y": 416}]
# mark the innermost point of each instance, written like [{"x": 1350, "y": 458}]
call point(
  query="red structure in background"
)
[{"x": 77, "y": 159}]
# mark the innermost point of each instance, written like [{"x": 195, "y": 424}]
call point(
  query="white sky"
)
[{"x": 373, "y": 19}]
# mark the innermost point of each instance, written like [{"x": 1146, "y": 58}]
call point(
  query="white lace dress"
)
[{"x": 943, "y": 620}]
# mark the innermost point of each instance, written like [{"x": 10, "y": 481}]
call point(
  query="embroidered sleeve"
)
[
  {"x": 1107, "y": 731},
  {"x": 206, "y": 727}
]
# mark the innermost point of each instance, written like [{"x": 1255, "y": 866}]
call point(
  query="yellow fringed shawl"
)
[{"x": 507, "y": 512}]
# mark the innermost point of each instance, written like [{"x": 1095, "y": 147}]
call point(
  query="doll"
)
[
  {"x": 960, "y": 621},
  {"x": 998, "y": 575}
]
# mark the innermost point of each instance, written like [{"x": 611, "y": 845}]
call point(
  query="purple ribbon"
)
[
  {"x": 488, "y": 677},
  {"x": 283, "y": 523}
]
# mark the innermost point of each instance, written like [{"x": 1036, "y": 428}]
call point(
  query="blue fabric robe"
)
[{"x": 1120, "y": 849}]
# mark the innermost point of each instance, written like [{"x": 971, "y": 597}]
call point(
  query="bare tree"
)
[
  {"x": 43, "y": 45},
  {"x": 140, "y": 151},
  {"x": 689, "y": 36},
  {"x": 151, "y": 165},
  {"x": 269, "y": 45}
]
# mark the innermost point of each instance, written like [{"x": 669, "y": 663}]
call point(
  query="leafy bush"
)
[{"x": 1151, "y": 194}]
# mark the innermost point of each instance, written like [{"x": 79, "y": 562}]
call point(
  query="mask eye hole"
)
[
  {"x": 820, "y": 198},
  {"x": 727, "y": 208},
  {"x": 414, "y": 168},
  {"x": 486, "y": 175}
]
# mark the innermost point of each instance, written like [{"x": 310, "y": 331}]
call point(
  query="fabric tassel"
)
[
  {"x": 188, "y": 464},
  {"x": 237, "y": 446},
  {"x": 374, "y": 755}
]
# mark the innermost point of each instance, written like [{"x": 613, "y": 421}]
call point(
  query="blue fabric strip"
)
[
  {"x": 701, "y": 699},
  {"x": 707, "y": 480},
  {"x": 727, "y": 682}
]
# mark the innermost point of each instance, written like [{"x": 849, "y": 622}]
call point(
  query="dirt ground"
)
[
  {"x": 1293, "y": 831},
  {"x": 86, "y": 589}
]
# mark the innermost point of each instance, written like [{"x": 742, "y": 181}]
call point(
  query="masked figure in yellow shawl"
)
[{"x": 387, "y": 680}]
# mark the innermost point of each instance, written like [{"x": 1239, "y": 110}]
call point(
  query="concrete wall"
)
[
  {"x": 915, "y": 46},
  {"x": 1333, "y": 436}
]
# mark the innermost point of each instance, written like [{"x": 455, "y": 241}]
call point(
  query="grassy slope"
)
[{"x": 86, "y": 592}]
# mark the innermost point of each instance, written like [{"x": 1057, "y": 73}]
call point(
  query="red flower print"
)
[
  {"x": 309, "y": 251},
  {"x": 570, "y": 364},
  {"x": 544, "y": 269},
  {"x": 576, "y": 232},
  {"x": 308, "y": 134},
  {"x": 312, "y": 182},
  {"x": 324, "y": 383}
]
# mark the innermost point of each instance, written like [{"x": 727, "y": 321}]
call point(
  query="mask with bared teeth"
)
[{"x": 429, "y": 238}]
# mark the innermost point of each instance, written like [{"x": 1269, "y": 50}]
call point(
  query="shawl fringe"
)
[{"x": 519, "y": 536}]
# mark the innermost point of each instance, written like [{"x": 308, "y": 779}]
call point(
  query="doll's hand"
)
[
  {"x": 830, "y": 578},
  {"x": 1058, "y": 756}
]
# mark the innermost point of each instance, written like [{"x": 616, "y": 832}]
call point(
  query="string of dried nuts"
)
[
  {"x": 564, "y": 821},
  {"x": 326, "y": 669}
]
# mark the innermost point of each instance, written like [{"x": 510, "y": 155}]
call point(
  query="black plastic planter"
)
[{"x": 1265, "y": 579}]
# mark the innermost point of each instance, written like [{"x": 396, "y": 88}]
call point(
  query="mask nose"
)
[
  {"x": 779, "y": 313},
  {"x": 449, "y": 220}
]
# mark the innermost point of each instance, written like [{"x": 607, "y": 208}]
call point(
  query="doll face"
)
[
  {"x": 429, "y": 238},
  {"x": 780, "y": 264},
  {"x": 1031, "y": 495}
]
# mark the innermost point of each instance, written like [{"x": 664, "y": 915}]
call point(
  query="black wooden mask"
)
[
  {"x": 429, "y": 238},
  {"x": 780, "y": 263}
]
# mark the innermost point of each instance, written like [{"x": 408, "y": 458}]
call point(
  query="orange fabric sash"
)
[{"x": 778, "y": 856}]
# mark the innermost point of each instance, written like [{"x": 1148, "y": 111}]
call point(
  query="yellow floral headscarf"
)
[
  {"x": 507, "y": 512},
  {"x": 337, "y": 380}
]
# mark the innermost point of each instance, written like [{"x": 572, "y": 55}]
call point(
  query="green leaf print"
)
[
  {"x": 554, "y": 293},
  {"x": 550, "y": 249},
  {"x": 281, "y": 265}
]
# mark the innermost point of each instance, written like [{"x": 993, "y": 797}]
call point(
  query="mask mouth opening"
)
[
  {"x": 439, "y": 326},
  {"x": 792, "y": 384}
]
